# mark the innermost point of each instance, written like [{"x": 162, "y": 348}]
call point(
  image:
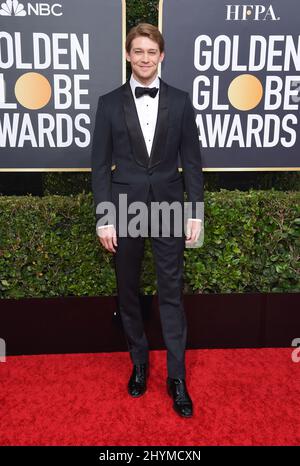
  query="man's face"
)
[{"x": 144, "y": 57}]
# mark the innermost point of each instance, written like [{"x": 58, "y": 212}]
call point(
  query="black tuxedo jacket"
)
[{"x": 120, "y": 161}]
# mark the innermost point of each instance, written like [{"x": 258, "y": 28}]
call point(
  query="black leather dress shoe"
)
[
  {"x": 137, "y": 384},
  {"x": 183, "y": 404}
]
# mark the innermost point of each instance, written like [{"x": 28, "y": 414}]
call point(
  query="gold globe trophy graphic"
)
[
  {"x": 33, "y": 90},
  {"x": 245, "y": 92}
]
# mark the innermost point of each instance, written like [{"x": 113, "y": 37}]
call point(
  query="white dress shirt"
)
[{"x": 147, "y": 109}]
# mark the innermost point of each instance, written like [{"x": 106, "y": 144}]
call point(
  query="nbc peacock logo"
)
[
  {"x": 15, "y": 8},
  {"x": 12, "y": 8}
]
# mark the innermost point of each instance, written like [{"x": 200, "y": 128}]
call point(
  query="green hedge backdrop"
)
[{"x": 49, "y": 247}]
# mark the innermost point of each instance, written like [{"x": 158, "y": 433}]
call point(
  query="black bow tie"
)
[{"x": 139, "y": 91}]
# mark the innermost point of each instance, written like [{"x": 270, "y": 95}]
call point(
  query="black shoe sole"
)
[{"x": 137, "y": 396}]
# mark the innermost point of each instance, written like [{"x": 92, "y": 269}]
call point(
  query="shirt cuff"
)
[{"x": 104, "y": 226}]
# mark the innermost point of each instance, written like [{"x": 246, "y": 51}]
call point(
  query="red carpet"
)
[{"x": 241, "y": 397}]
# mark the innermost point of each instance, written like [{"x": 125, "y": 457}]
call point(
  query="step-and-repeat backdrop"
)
[
  {"x": 56, "y": 58},
  {"x": 239, "y": 62}
]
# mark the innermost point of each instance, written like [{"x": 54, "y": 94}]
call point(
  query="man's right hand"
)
[{"x": 108, "y": 237}]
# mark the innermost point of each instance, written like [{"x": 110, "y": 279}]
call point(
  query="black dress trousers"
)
[{"x": 169, "y": 261}]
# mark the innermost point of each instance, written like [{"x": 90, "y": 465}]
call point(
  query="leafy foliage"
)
[{"x": 49, "y": 247}]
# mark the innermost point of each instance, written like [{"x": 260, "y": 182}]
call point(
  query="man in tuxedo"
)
[{"x": 141, "y": 127}]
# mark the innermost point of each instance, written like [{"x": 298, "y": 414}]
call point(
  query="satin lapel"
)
[
  {"x": 139, "y": 148},
  {"x": 138, "y": 145},
  {"x": 161, "y": 128}
]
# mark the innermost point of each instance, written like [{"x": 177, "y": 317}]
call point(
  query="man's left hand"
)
[{"x": 193, "y": 230}]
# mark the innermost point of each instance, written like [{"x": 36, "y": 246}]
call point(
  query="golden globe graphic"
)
[
  {"x": 33, "y": 90},
  {"x": 53, "y": 67},
  {"x": 245, "y": 92},
  {"x": 64, "y": 82},
  {"x": 240, "y": 64}
]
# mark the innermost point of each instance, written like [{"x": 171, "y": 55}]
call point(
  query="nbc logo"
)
[{"x": 12, "y": 8}]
